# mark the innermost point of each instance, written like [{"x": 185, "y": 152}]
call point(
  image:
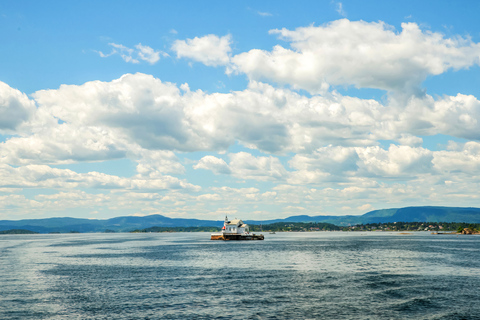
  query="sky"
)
[{"x": 255, "y": 110}]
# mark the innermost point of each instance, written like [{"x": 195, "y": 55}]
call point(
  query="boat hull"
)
[{"x": 237, "y": 237}]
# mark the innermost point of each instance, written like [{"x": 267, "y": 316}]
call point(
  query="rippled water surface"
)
[{"x": 322, "y": 275}]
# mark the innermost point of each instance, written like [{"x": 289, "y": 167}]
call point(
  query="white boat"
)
[{"x": 235, "y": 230}]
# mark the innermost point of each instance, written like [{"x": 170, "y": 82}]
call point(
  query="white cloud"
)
[
  {"x": 42, "y": 176},
  {"x": 264, "y": 14},
  {"x": 332, "y": 143},
  {"x": 141, "y": 109},
  {"x": 333, "y": 164},
  {"x": 410, "y": 140},
  {"x": 124, "y": 52},
  {"x": 363, "y": 54},
  {"x": 147, "y": 54},
  {"x": 334, "y": 140},
  {"x": 15, "y": 108},
  {"x": 366, "y": 207},
  {"x": 340, "y": 9},
  {"x": 243, "y": 165},
  {"x": 397, "y": 161},
  {"x": 137, "y": 108},
  {"x": 450, "y": 115},
  {"x": 117, "y": 119},
  {"x": 246, "y": 166},
  {"x": 210, "y": 50},
  {"x": 17, "y": 202},
  {"x": 153, "y": 162},
  {"x": 342, "y": 165},
  {"x": 331, "y": 159},
  {"x": 62, "y": 144},
  {"x": 141, "y": 52},
  {"x": 214, "y": 164},
  {"x": 235, "y": 191},
  {"x": 466, "y": 160},
  {"x": 209, "y": 197}
]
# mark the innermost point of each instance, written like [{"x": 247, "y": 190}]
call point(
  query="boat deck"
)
[{"x": 226, "y": 236}]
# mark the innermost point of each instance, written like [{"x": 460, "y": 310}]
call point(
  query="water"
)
[{"x": 322, "y": 275}]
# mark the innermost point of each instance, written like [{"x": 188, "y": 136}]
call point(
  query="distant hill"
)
[
  {"x": 423, "y": 214},
  {"x": 408, "y": 214},
  {"x": 119, "y": 224},
  {"x": 129, "y": 223}
]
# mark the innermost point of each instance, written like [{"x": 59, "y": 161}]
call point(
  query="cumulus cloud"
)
[
  {"x": 237, "y": 195},
  {"x": 455, "y": 115},
  {"x": 450, "y": 115},
  {"x": 246, "y": 166},
  {"x": 334, "y": 138},
  {"x": 134, "y": 106},
  {"x": 333, "y": 164},
  {"x": 396, "y": 161},
  {"x": 157, "y": 115},
  {"x": 15, "y": 108},
  {"x": 123, "y": 118},
  {"x": 214, "y": 164},
  {"x": 17, "y": 202},
  {"x": 209, "y": 197},
  {"x": 332, "y": 143},
  {"x": 153, "y": 162},
  {"x": 358, "y": 53},
  {"x": 371, "y": 166},
  {"x": 42, "y": 176},
  {"x": 464, "y": 160},
  {"x": 336, "y": 164},
  {"x": 410, "y": 140},
  {"x": 62, "y": 144},
  {"x": 210, "y": 50}
]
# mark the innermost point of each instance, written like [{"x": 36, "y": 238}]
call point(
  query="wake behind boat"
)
[{"x": 235, "y": 230}]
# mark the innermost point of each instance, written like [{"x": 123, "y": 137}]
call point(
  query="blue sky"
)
[{"x": 255, "y": 110}]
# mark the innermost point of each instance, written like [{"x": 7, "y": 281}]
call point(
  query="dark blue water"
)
[{"x": 323, "y": 275}]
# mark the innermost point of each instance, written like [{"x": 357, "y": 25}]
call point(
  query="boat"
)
[{"x": 235, "y": 230}]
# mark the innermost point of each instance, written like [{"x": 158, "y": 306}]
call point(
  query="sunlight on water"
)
[{"x": 327, "y": 275}]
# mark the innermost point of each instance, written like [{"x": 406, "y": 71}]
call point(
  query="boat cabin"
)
[{"x": 235, "y": 226}]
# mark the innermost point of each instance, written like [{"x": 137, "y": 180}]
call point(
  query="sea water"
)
[{"x": 312, "y": 275}]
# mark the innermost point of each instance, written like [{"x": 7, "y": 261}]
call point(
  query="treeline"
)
[
  {"x": 413, "y": 226},
  {"x": 18, "y": 231},
  {"x": 176, "y": 229},
  {"x": 295, "y": 226},
  {"x": 273, "y": 227},
  {"x": 307, "y": 226},
  {"x": 321, "y": 226},
  {"x": 389, "y": 226}
]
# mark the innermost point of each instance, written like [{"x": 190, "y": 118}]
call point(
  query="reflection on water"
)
[{"x": 322, "y": 275}]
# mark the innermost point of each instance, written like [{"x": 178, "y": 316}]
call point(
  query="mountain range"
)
[{"x": 129, "y": 223}]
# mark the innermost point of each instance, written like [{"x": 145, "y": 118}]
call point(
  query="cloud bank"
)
[{"x": 286, "y": 143}]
